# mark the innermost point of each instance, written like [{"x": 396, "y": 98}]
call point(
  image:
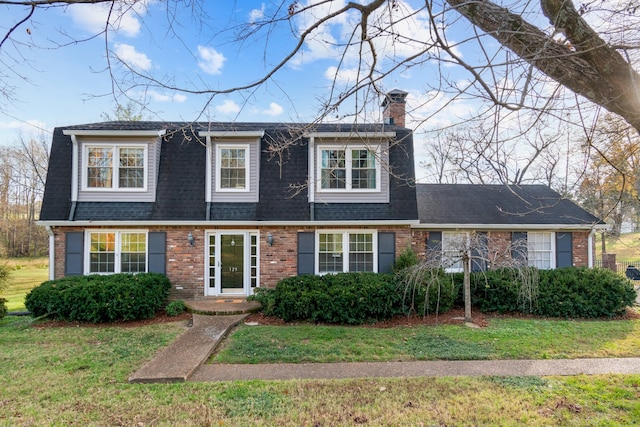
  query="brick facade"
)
[{"x": 185, "y": 264}]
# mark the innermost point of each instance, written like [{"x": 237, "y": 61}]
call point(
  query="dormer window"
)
[
  {"x": 115, "y": 167},
  {"x": 353, "y": 168},
  {"x": 232, "y": 171}
]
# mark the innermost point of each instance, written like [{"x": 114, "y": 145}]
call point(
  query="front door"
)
[{"x": 232, "y": 263}]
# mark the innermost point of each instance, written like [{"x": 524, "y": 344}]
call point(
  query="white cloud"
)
[
  {"x": 273, "y": 110},
  {"x": 128, "y": 54},
  {"x": 256, "y": 14},
  {"x": 159, "y": 97},
  {"x": 123, "y": 19},
  {"x": 344, "y": 75},
  {"x": 228, "y": 107},
  {"x": 211, "y": 61}
]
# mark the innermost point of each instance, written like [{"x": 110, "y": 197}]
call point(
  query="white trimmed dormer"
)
[{"x": 114, "y": 165}]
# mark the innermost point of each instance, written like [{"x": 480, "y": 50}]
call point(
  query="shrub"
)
[
  {"x": 584, "y": 292},
  {"x": 564, "y": 292},
  {"x": 346, "y": 298},
  {"x": 3, "y": 308},
  {"x": 408, "y": 258},
  {"x": 100, "y": 298},
  {"x": 175, "y": 308},
  {"x": 427, "y": 290}
]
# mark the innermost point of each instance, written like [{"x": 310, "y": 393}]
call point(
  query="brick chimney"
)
[{"x": 394, "y": 108}]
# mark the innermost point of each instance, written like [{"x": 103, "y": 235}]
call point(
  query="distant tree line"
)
[{"x": 23, "y": 171}]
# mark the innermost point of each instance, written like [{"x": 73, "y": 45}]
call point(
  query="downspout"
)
[
  {"x": 590, "y": 248},
  {"x": 52, "y": 252}
]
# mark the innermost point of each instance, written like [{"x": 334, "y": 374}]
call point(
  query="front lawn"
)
[
  {"x": 504, "y": 338},
  {"x": 77, "y": 375}
]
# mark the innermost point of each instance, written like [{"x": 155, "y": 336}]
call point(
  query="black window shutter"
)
[
  {"x": 386, "y": 251},
  {"x": 434, "y": 245},
  {"x": 157, "y": 249},
  {"x": 480, "y": 252},
  {"x": 519, "y": 246},
  {"x": 306, "y": 253},
  {"x": 564, "y": 250},
  {"x": 74, "y": 254}
]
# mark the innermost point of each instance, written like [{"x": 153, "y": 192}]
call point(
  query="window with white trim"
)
[
  {"x": 116, "y": 251},
  {"x": 115, "y": 167},
  {"x": 540, "y": 250},
  {"x": 352, "y": 168},
  {"x": 232, "y": 168},
  {"x": 453, "y": 246},
  {"x": 346, "y": 251}
]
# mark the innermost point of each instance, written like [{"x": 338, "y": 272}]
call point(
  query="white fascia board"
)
[
  {"x": 114, "y": 133},
  {"x": 513, "y": 226},
  {"x": 351, "y": 134},
  {"x": 232, "y": 134},
  {"x": 115, "y": 224}
]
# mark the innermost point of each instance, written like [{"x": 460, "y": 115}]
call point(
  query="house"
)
[
  {"x": 223, "y": 208},
  {"x": 530, "y": 221}
]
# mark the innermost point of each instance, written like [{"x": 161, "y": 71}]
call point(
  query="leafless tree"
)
[
  {"x": 23, "y": 169},
  {"x": 466, "y": 252}
]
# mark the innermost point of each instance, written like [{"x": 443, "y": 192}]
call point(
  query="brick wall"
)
[{"x": 580, "y": 241}]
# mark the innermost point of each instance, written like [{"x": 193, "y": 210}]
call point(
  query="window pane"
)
[
  {"x": 232, "y": 168},
  {"x": 333, "y": 171},
  {"x": 361, "y": 252},
  {"x": 453, "y": 246},
  {"x": 102, "y": 253},
  {"x": 330, "y": 253},
  {"x": 363, "y": 172},
  {"x": 540, "y": 250},
  {"x": 133, "y": 249},
  {"x": 100, "y": 167},
  {"x": 131, "y": 169}
]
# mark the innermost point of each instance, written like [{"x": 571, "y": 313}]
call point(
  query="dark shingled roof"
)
[
  {"x": 180, "y": 192},
  {"x": 497, "y": 204}
]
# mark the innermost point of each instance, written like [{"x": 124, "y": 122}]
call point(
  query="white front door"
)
[{"x": 232, "y": 263}]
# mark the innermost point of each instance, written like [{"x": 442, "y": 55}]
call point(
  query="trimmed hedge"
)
[
  {"x": 565, "y": 292},
  {"x": 100, "y": 298},
  {"x": 346, "y": 298},
  {"x": 427, "y": 291}
]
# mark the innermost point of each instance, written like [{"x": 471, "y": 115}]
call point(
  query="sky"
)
[
  {"x": 56, "y": 65},
  {"x": 57, "y": 81}
]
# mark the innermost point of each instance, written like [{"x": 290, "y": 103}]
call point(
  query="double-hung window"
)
[
  {"x": 115, "y": 167},
  {"x": 117, "y": 251},
  {"x": 346, "y": 251},
  {"x": 352, "y": 168},
  {"x": 232, "y": 168},
  {"x": 540, "y": 250},
  {"x": 454, "y": 244}
]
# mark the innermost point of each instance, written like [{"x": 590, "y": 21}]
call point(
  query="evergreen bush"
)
[{"x": 100, "y": 298}]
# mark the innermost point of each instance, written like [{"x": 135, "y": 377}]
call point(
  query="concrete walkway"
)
[{"x": 184, "y": 359}]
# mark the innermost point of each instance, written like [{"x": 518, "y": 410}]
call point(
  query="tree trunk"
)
[{"x": 587, "y": 66}]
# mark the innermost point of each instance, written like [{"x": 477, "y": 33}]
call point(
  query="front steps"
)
[{"x": 222, "y": 306}]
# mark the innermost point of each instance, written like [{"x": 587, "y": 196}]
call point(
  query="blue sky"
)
[
  {"x": 59, "y": 82},
  {"x": 69, "y": 85}
]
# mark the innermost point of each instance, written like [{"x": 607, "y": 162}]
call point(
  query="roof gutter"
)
[
  {"x": 585, "y": 226},
  {"x": 124, "y": 133},
  {"x": 338, "y": 224}
]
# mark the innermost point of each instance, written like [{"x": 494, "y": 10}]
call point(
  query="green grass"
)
[
  {"x": 502, "y": 339},
  {"x": 626, "y": 247},
  {"x": 78, "y": 376},
  {"x": 25, "y": 274}
]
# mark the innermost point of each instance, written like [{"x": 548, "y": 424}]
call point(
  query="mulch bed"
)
[{"x": 454, "y": 316}]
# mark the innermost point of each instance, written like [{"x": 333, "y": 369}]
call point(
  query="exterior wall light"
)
[
  {"x": 270, "y": 239},
  {"x": 190, "y": 239}
]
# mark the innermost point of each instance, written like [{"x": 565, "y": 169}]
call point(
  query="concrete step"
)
[{"x": 222, "y": 306}]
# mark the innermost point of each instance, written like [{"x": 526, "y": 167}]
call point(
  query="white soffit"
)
[{"x": 114, "y": 133}]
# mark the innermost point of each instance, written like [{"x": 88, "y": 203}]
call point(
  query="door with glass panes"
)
[{"x": 232, "y": 263}]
